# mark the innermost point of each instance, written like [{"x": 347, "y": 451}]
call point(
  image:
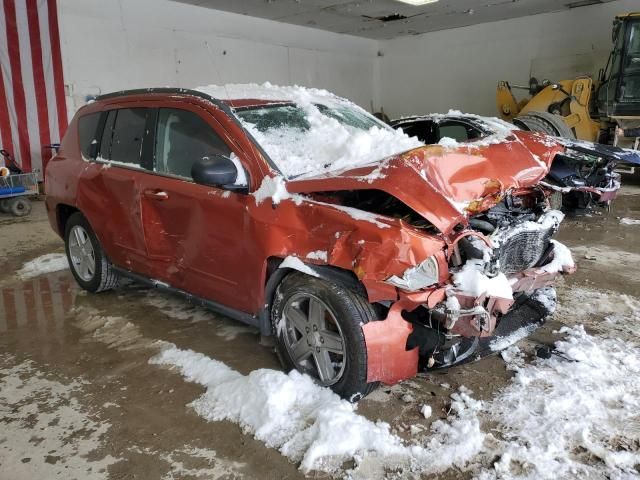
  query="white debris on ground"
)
[
  {"x": 312, "y": 425},
  {"x": 571, "y": 418},
  {"x": 327, "y": 144},
  {"x": 49, "y": 263},
  {"x": 46, "y": 432},
  {"x": 630, "y": 221},
  {"x": 557, "y": 418},
  {"x": 573, "y": 415}
]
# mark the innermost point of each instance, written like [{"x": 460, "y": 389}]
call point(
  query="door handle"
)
[{"x": 156, "y": 195}]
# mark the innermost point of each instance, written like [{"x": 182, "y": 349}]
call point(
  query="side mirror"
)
[{"x": 214, "y": 171}]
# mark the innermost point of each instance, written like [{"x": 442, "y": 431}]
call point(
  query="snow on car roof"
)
[{"x": 270, "y": 92}]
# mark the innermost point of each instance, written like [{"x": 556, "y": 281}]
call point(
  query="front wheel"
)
[
  {"x": 88, "y": 263},
  {"x": 318, "y": 328}
]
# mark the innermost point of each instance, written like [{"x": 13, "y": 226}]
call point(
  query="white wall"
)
[
  {"x": 110, "y": 45},
  {"x": 460, "y": 68}
]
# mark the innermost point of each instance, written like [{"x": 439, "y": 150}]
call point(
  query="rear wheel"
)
[
  {"x": 19, "y": 206},
  {"x": 89, "y": 264},
  {"x": 544, "y": 122},
  {"x": 4, "y": 205},
  {"x": 318, "y": 327}
]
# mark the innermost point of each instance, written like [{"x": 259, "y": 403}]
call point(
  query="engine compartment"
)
[{"x": 377, "y": 202}]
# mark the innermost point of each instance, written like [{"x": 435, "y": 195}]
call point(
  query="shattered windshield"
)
[{"x": 316, "y": 138}]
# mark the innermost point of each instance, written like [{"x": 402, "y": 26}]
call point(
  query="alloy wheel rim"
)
[
  {"x": 83, "y": 257},
  {"x": 313, "y": 338}
]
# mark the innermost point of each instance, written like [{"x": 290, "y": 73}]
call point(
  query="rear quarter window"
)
[{"x": 88, "y": 134}]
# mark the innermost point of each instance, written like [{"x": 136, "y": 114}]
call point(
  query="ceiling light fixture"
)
[{"x": 417, "y": 3}]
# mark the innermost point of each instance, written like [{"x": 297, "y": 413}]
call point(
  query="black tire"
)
[
  {"x": 349, "y": 310},
  {"x": 4, "y": 205},
  {"x": 544, "y": 122},
  {"x": 103, "y": 277},
  {"x": 19, "y": 206}
]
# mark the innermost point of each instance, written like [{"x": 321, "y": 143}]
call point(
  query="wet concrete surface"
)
[{"x": 78, "y": 398}]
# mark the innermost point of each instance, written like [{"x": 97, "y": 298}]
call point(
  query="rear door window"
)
[
  {"x": 183, "y": 138},
  {"x": 123, "y": 136},
  {"x": 425, "y": 130},
  {"x": 459, "y": 131},
  {"x": 88, "y": 134}
]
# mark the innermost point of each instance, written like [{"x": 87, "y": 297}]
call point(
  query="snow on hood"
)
[
  {"x": 328, "y": 144},
  {"x": 439, "y": 183}
]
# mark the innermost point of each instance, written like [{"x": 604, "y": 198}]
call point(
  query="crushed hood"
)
[{"x": 443, "y": 183}]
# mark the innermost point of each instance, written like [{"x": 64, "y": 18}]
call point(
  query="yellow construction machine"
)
[{"x": 605, "y": 111}]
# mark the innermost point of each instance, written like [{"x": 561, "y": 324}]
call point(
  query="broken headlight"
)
[{"x": 423, "y": 275}]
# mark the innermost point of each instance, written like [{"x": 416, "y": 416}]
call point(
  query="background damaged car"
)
[
  {"x": 367, "y": 254},
  {"x": 583, "y": 173}
]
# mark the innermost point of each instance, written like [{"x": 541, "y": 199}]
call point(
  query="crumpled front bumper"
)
[
  {"x": 601, "y": 194},
  {"x": 526, "y": 315},
  {"x": 478, "y": 322}
]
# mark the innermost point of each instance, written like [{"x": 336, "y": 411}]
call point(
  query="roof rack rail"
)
[{"x": 165, "y": 90}]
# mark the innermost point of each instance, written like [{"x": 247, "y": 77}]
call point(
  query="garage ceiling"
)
[{"x": 386, "y": 19}]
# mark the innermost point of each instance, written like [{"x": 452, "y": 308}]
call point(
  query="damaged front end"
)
[
  {"x": 502, "y": 266},
  {"x": 585, "y": 178}
]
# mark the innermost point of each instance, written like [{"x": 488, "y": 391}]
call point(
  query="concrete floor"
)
[{"x": 78, "y": 398}]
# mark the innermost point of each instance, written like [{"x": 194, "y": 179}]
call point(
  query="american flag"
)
[{"x": 33, "y": 110}]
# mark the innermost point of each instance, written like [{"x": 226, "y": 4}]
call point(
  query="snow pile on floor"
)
[
  {"x": 49, "y": 263},
  {"x": 312, "y": 425},
  {"x": 630, "y": 221},
  {"x": 573, "y": 417},
  {"x": 328, "y": 144}
]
